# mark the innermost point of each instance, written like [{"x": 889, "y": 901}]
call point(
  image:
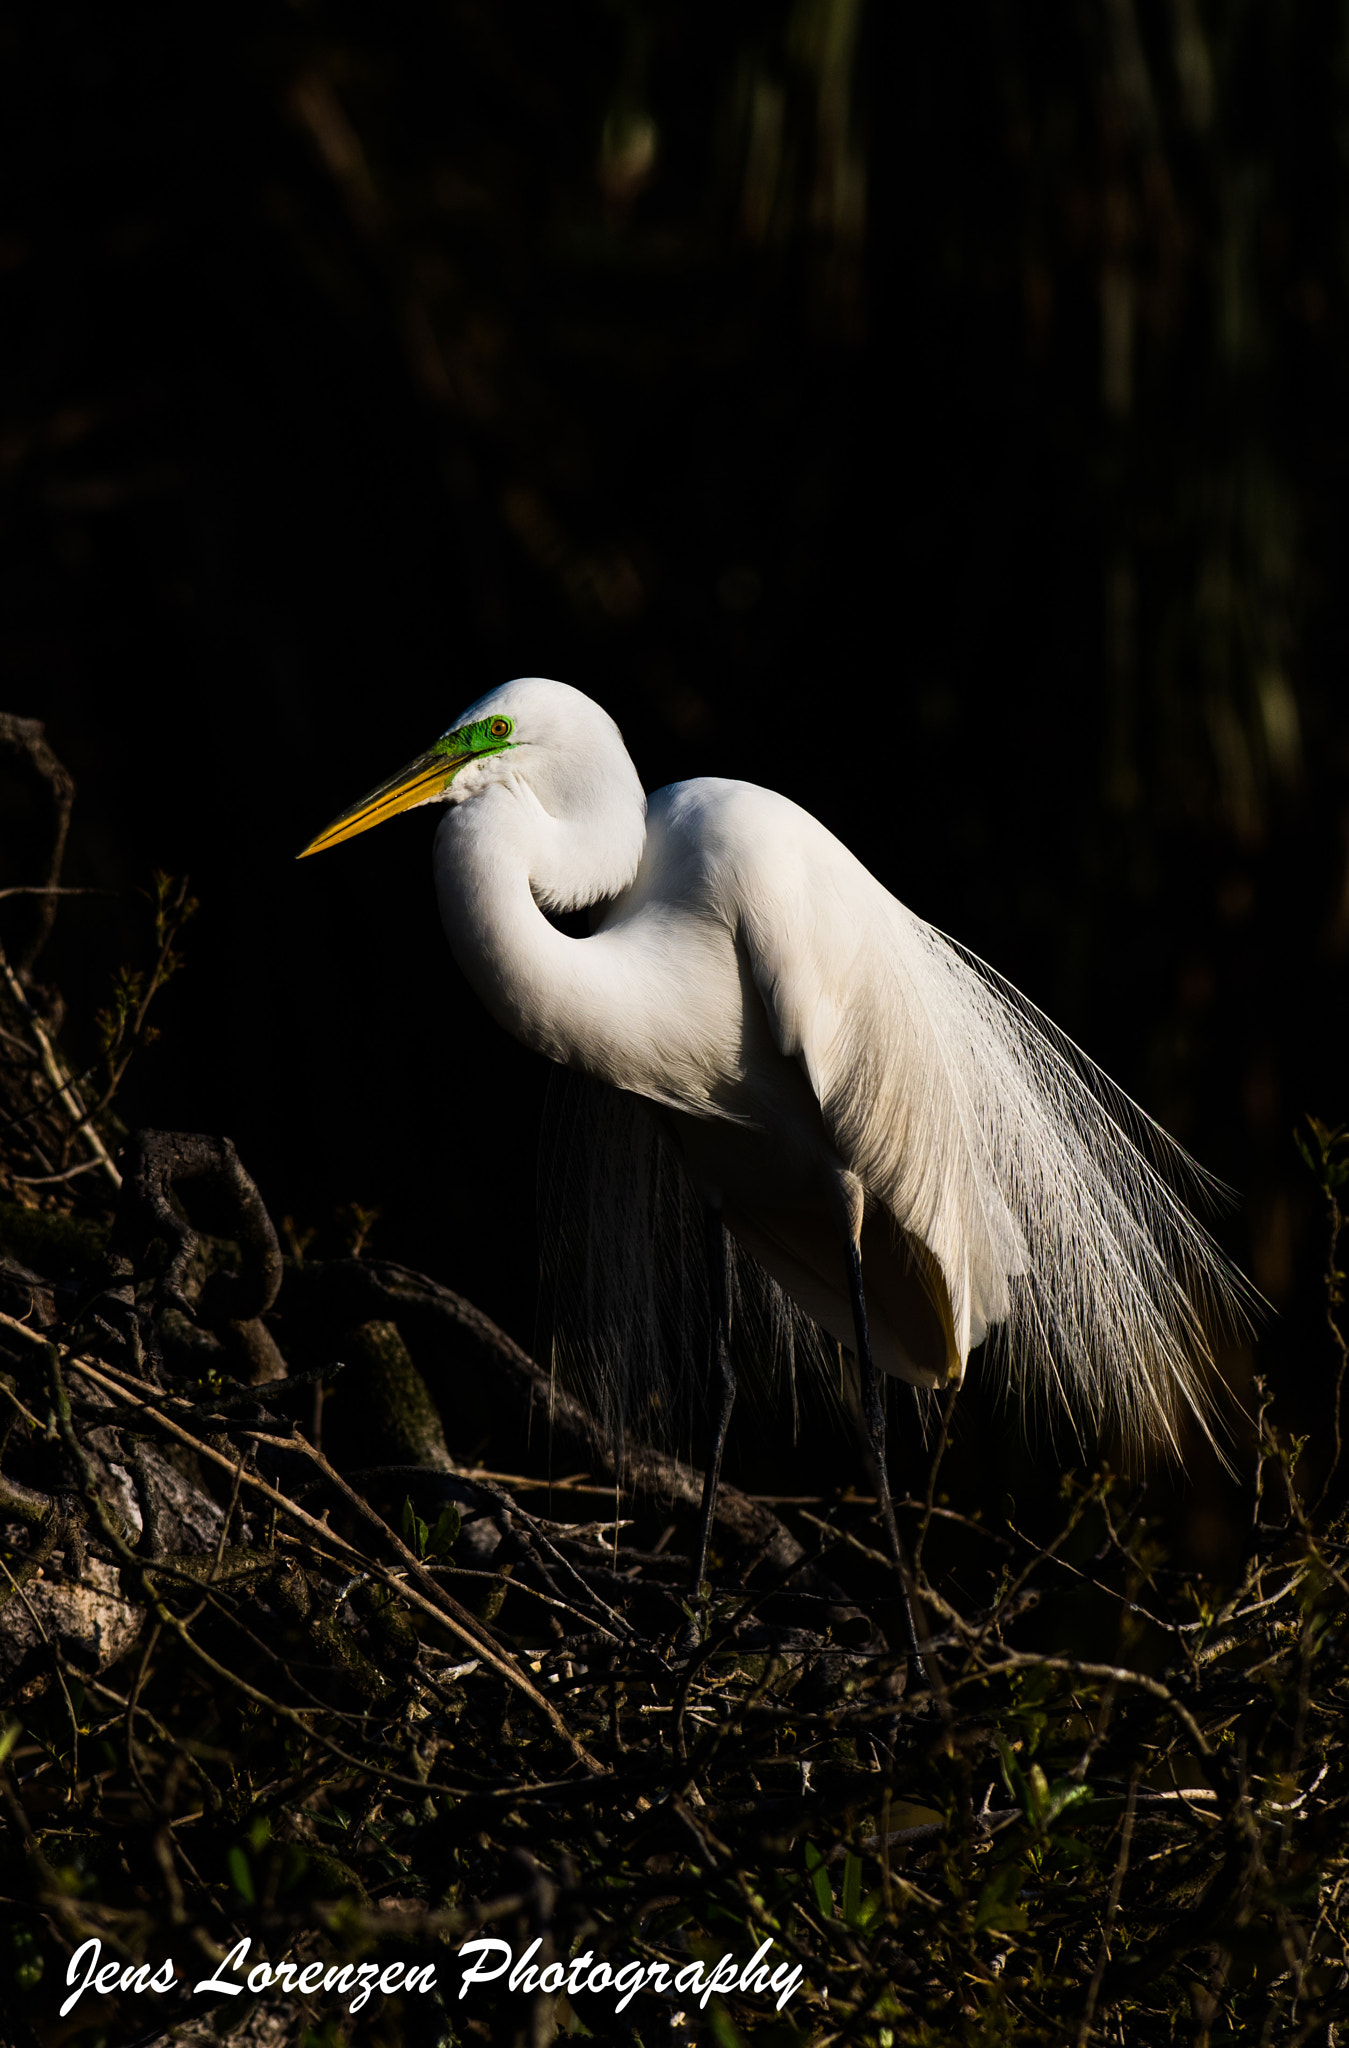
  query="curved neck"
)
[{"x": 497, "y": 858}]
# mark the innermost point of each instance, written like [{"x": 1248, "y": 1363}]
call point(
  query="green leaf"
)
[
  {"x": 1064, "y": 1794},
  {"x": 240, "y": 1874},
  {"x": 1014, "y": 1777},
  {"x": 412, "y": 1528},
  {"x": 999, "y": 1906},
  {"x": 445, "y": 1535},
  {"x": 819, "y": 1879}
]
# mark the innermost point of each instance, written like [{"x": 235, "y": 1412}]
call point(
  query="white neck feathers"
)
[{"x": 501, "y": 859}]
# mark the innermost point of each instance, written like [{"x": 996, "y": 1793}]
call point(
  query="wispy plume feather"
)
[{"x": 1054, "y": 1205}]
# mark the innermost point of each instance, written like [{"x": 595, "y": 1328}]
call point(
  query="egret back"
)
[{"x": 1051, "y": 1203}]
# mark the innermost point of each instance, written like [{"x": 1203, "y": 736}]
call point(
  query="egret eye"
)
[{"x": 499, "y": 728}]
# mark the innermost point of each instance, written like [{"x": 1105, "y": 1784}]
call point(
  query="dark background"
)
[{"x": 940, "y": 415}]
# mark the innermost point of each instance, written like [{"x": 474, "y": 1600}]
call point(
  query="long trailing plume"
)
[
  {"x": 624, "y": 1301},
  {"x": 1052, "y": 1203},
  {"x": 1122, "y": 1294}
]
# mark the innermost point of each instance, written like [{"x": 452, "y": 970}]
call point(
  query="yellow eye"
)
[{"x": 499, "y": 728}]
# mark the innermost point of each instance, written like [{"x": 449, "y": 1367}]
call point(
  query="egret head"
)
[{"x": 543, "y": 739}]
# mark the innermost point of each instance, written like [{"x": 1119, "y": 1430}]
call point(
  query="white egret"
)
[{"x": 854, "y": 1096}]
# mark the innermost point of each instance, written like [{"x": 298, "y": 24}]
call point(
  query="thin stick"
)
[
  {"x": 63, "y": 1086},
  {"x": 1111, "y": 1915}
]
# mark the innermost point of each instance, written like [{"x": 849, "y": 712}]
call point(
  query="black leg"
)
[
  {"x": 873, "y": 1444},
  {"x": 724, "y": 1372}
]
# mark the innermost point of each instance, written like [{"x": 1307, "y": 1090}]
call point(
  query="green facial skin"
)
[{"x": 472, "y": 742}]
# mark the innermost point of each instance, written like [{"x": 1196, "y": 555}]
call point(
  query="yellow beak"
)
[{"x": 421, "y": 782}]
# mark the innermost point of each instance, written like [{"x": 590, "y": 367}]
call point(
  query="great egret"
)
[{"x": 852, "y": 1094}]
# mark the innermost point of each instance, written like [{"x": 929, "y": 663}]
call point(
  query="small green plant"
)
[{"x": 426, "y": 1541}]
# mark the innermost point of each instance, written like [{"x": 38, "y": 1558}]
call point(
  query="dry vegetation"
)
[{"x": 281, "y": 1661}]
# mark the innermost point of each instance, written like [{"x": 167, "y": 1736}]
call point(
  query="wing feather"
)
[{"x": 1046, "y": 1197}]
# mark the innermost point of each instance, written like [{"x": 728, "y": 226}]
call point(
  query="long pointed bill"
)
[{"x": 421, "y": 782}]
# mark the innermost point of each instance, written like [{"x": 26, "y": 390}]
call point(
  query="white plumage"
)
[{"x": 829, "y": 1066}]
